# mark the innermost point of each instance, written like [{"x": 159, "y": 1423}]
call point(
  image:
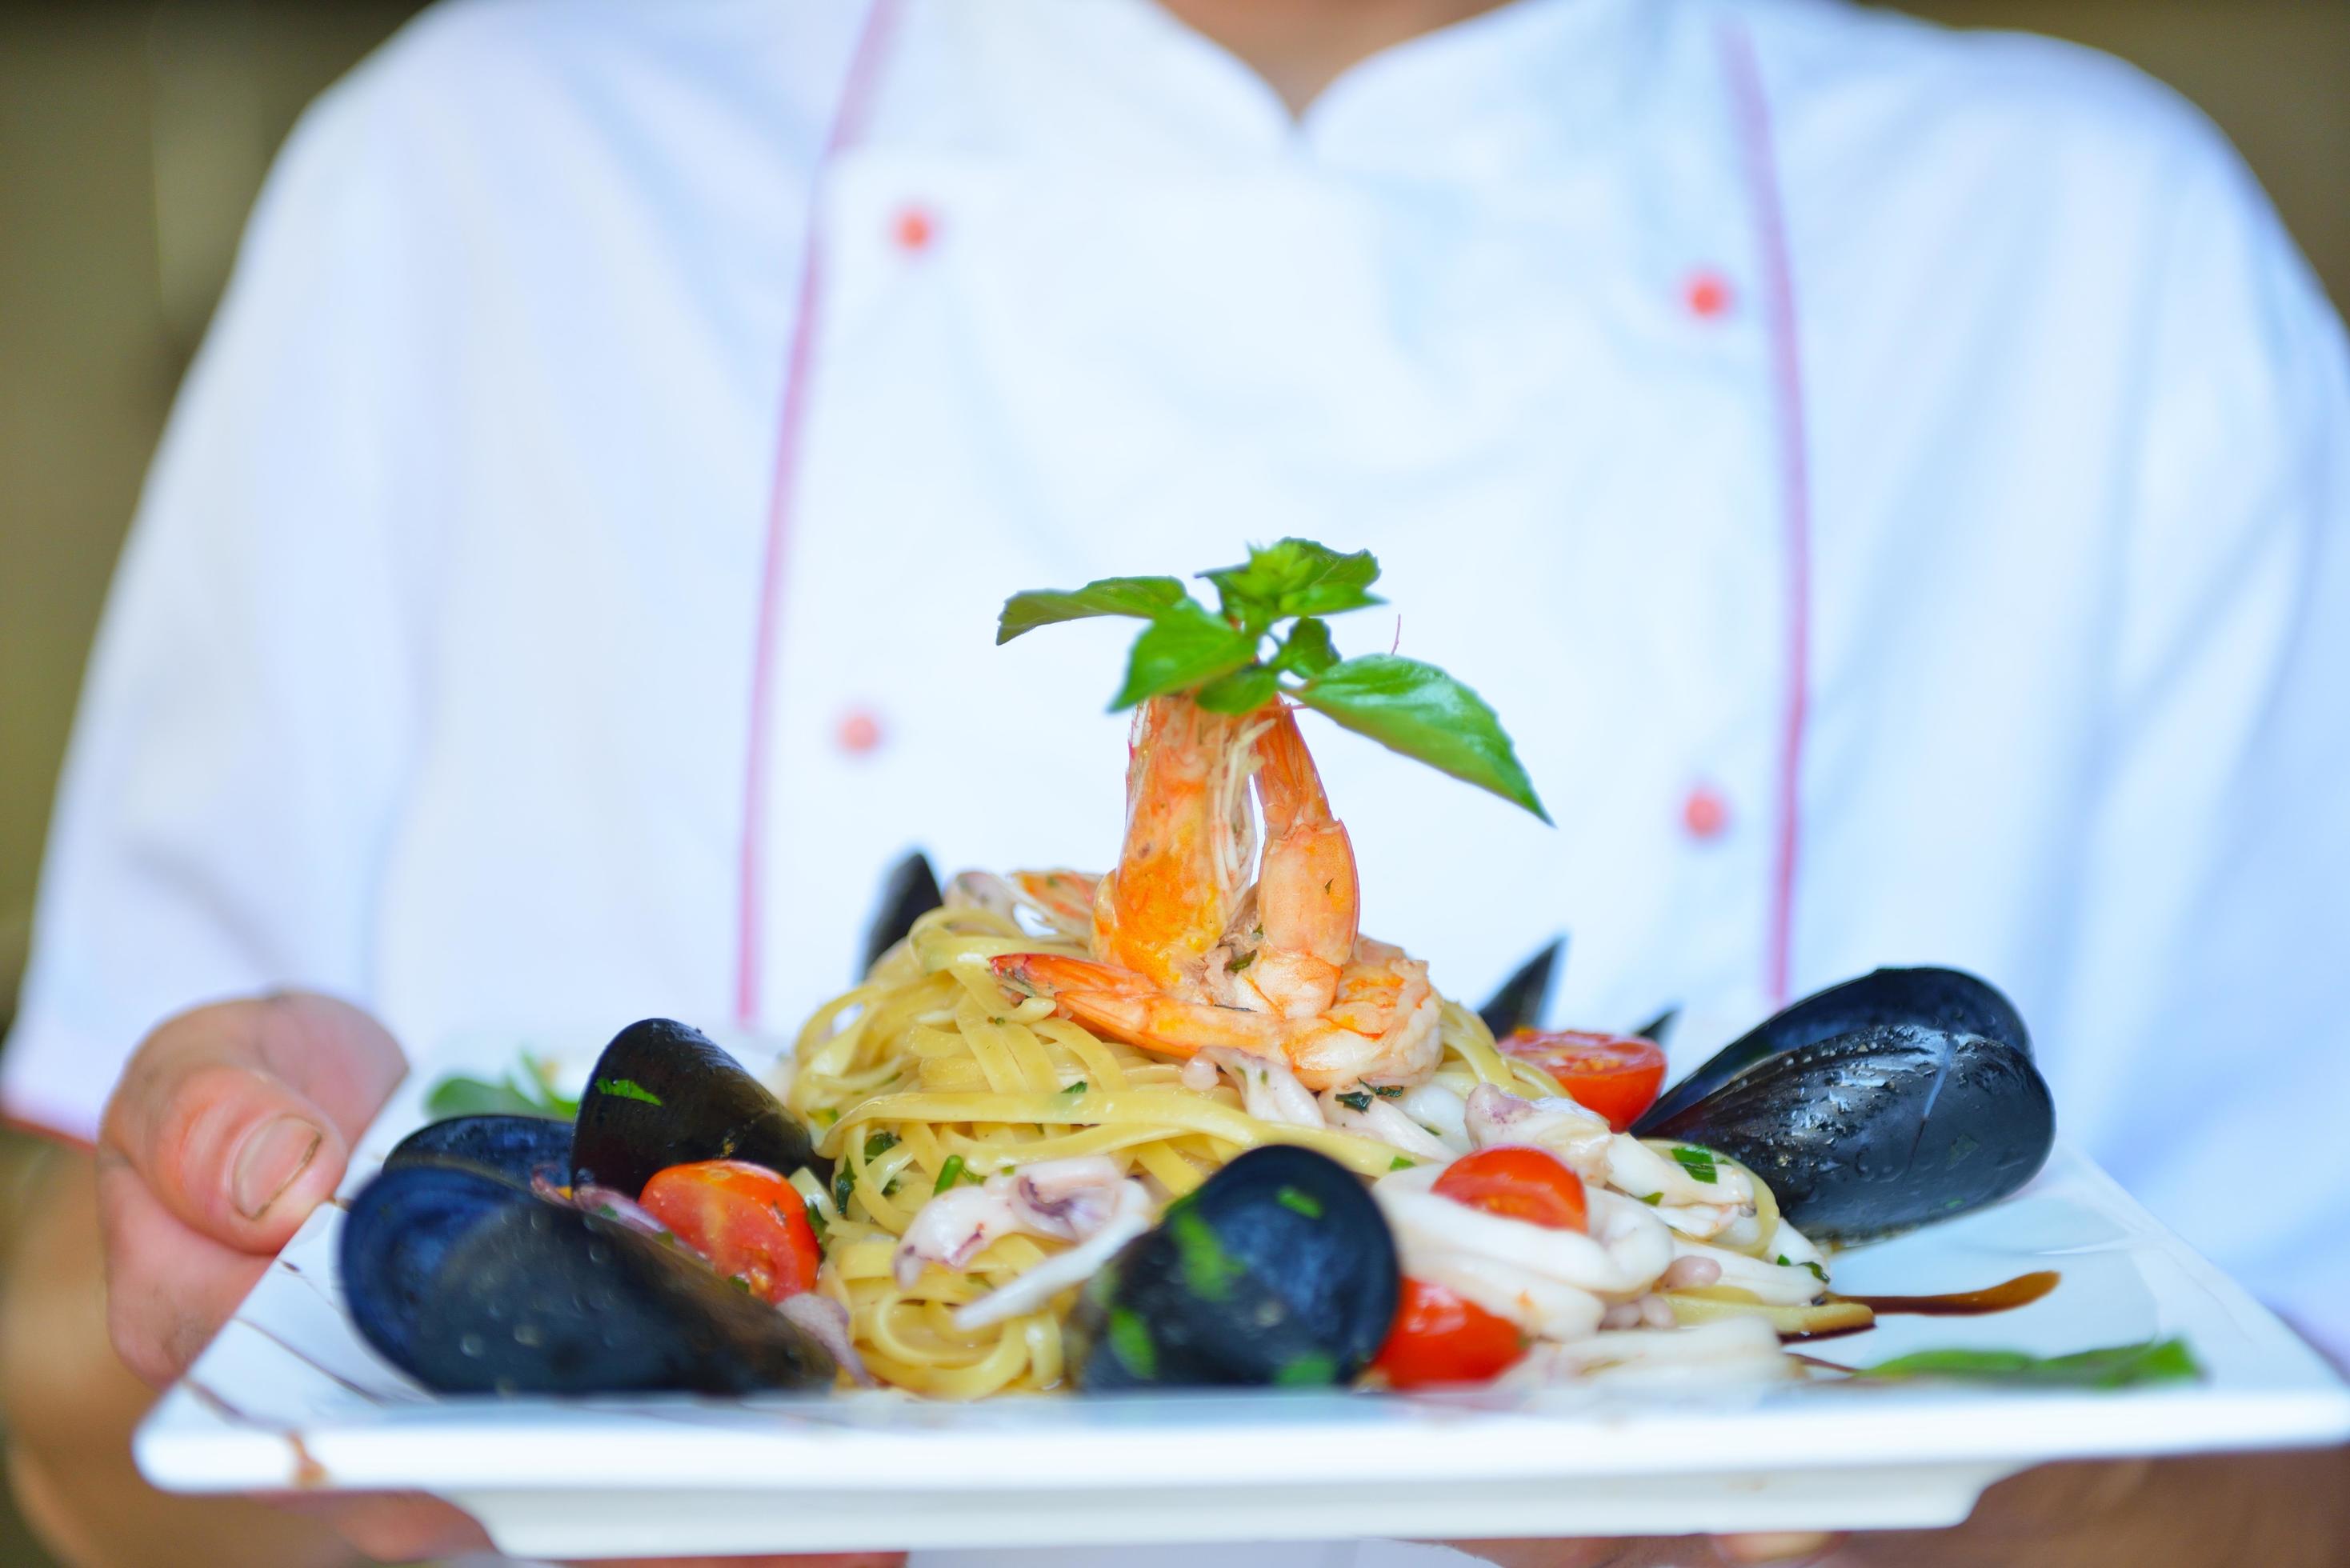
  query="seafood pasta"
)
[
  {"x": 1023, "y": 1085},
  {"x": 1184, "y": 1123}
]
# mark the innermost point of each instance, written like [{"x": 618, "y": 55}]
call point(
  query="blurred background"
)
[{"x": 134, "y": 137}]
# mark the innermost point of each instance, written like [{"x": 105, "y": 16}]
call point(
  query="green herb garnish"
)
[
  {"x": 1387, "y": 1091},
  {"x": 1355, "y": 1100},
  {"x": 1298, "y": 1202},
  {"x": 1232, "y": 660},
  {"x": 529, "y": 1092},
  {"x": 1077, "y": 1088},
  {"x": 843, "y": 1185},
  {"x": 1239, "y": 961},
  {"x": 1400, "y": 1163},
  {"x": 1129, "y": 1341},
  {"x": 1652, "y": 1198},
  {"x": 1698, "y": 1162},
  {"x": 626, "y": 1090},
  {"x": 879, "y": 1144},
  {"x": 949, "y": 1174},
  {"x": 1208, "y": 1269},
  {"x": 2110, "y": 1367},
  {"x": 1313, "y": 1369}
]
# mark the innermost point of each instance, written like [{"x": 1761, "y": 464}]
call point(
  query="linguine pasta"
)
[{"x": 927, "y": 1076}]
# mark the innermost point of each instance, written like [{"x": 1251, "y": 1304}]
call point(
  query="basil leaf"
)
[
  {"x": 1244, "y": 691},
  {"x": 2110, "y": 1367},
  {"x": 457, "y": 1096},
  {"x": 1420, "y": 711},
  {"x": 1307, "y": 650},
  {"x": 1183, "y": 645},
  {"x": 1143, "y": 597},
  {"x": 1296, "y": 576}
]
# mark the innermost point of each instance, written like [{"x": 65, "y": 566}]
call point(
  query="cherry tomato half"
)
[
  {"x": 1439, "y": 1337},
  {"x": 1518, "y": 1183},
  {"x": 1617, "y": 1075},
  {"x": 747, "y": 1220}
]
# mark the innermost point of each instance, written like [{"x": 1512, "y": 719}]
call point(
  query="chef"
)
[{"x": 1892, "y": 484}]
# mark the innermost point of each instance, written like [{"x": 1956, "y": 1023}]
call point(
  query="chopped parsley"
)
[
  {"x": 844, "y": 1186},
  {"x": 879, "y": 1144},
  {"x": 1355, "y": 1100},
  {"x": 1077, "y": 1088},
  {"x": 1239, "y": 961},
  {"x": 1652, "y": 1198},
  {"x": 1298, "y": 1202},
  {"x": 1129, "y": 1341},
  {"x": 1400, "y": 1163},
  {"x": 1208, "y": 1269},
  {"x": 1817, "y": 1272},
  {"x": 1315, "y": 1369},
  {"x": 1698, "y": 1162},
  {"x": 1387, "y": 1091},
  {"x": 626, "y": 1090}
]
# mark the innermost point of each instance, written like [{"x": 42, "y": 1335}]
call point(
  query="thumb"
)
[{"x": 238, "y": 1116}]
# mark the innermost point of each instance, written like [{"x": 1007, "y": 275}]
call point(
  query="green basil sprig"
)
[{"x": 1235, "y": 658}]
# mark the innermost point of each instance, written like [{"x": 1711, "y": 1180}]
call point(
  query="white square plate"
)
[{"x": 289, "y": 1398}]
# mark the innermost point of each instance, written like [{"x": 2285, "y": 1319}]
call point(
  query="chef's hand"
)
[
  {"x": 231, "y": 1122},
  {"x": 2280, "y": 1511}
]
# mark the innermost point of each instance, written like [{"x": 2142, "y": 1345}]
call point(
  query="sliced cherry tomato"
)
[
  {"x": 1439, "y": 1337},
  {"x": 747, "y": 1220},
  {"x": 1617, "y": 1075},
  {"x": 1518, "y": 1183}
]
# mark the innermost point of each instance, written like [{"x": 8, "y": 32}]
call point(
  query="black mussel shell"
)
[
  {"x": 1519, "y": 1002},
  {"x": 1278, "y": 1271},
  {"x": 664, "y": 1094},
  {"x": 1879, "y": 1128},
  {"x": 514, "y": 1147},
  {"x": 473, "y": 1286},
  {"x": 908, "y": 893},
  {"x": 1944, "y": 999}
]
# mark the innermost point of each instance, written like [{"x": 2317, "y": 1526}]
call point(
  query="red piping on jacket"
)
[
  {"x": 1760, "y": 165},
  {"x": 847, "y": 122}
]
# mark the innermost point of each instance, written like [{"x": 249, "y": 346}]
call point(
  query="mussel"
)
[
  {"x": 1518, "y": 1002},
  {"x": 1903, "y": 1096},
  {"x": 472, "y": 1285},
  {"x": 663, "y": 1094},
  {"x": 1278, "y": 1271},
  {"x": 513, "y": 1147},
  {"x": 908, "y": 893}
]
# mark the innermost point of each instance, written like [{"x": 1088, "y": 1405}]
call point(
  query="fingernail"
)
[{"x": 273, "y": 1155}]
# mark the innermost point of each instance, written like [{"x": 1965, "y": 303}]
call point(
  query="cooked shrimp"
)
[
  {"x": 1188, "y": 840},
  {"x": 1382, "y": 1025},
  {"x": 1188, "y": 955}
]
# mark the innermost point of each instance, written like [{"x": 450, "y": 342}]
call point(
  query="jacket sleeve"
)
[
  {"x": 2210, "y": 991},
  {"x": 236, "y": 761}
]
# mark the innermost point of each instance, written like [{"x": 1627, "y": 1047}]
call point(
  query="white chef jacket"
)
[{"x": 1892, "y": 484}]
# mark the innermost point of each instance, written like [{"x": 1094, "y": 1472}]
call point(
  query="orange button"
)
[
  {"x": 914, "y": 229},
  {"x": 1705, "y": 813},
  {"x": 859, "y": 732},
  {"x": 1707, "y": 294}
]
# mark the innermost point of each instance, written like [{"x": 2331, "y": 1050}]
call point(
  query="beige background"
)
[{"x": 132, "y": 138}]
